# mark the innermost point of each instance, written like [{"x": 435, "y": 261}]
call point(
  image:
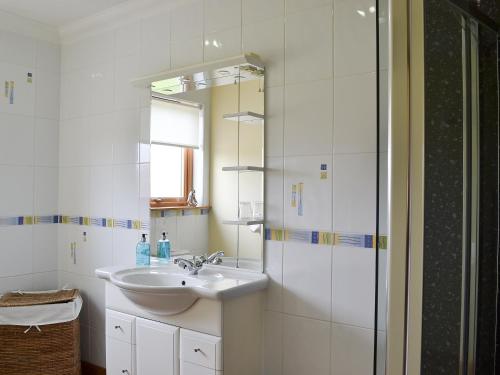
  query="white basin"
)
[{"x": 168, "y": 290}]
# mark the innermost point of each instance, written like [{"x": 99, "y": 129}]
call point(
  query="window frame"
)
[{"x": 176, "y": 202}]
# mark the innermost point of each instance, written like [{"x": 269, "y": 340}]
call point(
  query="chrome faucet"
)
[{"x": 195, "y": 264}]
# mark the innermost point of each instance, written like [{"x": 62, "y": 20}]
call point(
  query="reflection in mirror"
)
[{"x": 207, "y": 164}]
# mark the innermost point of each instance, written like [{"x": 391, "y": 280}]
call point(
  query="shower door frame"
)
[{"x": 406, "y": 181}]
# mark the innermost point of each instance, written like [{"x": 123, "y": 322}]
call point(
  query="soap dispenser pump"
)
[
  {"x": 143, "y": 252},
  {"x": 163, "y": 249}
]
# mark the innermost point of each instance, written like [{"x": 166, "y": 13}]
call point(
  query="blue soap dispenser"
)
[
  {"x": 143, "y": 252},
  {"x": 163, "y": 249}
]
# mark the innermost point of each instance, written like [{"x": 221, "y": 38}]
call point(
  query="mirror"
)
[{"x": 207, "y": 161}]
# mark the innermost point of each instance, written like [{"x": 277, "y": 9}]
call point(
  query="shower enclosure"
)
[
  {"x": 459, "y": 303},
  {"x": 443, "y": 201}
]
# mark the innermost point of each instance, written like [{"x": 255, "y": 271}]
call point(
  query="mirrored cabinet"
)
[{"x": 207, "y": 160}]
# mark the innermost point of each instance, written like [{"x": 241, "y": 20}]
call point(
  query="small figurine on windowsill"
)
[{"x": 191, "y": 201}]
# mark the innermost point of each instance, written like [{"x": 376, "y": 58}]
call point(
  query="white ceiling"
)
[{"x": 57, "y": 12}]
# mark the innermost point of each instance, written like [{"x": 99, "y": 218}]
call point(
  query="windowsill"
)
[{"x": 178, "y": 208}]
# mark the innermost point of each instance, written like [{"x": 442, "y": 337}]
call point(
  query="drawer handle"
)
[
  {"x": 118, "y": 327},
  {"x": 125, "y": 372},
  {"x": 197, "y": 350}
]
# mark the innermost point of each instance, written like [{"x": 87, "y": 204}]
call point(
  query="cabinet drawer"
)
[
  {"x": 120, "y": 326},
  {"x": 201, "y": 349},
  {"x": 119, "y": 357},
  {"x": 192, "y": 369}
]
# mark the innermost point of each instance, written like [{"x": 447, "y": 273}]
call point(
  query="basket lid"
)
[{"x": 14, "y": 299}]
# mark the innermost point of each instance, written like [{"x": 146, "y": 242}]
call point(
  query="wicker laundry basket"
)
[{"x": 37, "y": 348}]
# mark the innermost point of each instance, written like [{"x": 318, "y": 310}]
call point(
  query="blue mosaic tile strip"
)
[
  {"x": 75, "y": 220},
  {"x": 325, "y": 238}
]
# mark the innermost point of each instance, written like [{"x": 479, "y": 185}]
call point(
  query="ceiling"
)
[{"x": 57, "y": 12}]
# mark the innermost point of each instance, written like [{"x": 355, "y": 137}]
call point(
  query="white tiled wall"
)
[
  {"x": 320, "y": 58},
  {"x": 28, "y": 160}
]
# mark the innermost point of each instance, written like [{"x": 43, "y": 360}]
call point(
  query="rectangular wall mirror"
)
[{"x": 207, "y": 161}]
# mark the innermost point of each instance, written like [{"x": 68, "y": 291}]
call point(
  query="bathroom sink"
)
[
  {"x": 169, "y": 290},
  {"x": 144, "y": 279}
]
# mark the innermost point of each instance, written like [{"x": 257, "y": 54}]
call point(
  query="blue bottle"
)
[
  {"x": 163, "y": 249},
  {"x": 143, "y": 252}
]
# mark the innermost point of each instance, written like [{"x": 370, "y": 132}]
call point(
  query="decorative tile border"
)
[
  {"x": 325, "y": 238},
  {"x": 179, "y": 212},
  {"x": 75, "y": 220},
  {"x": 28, "y": 220}
]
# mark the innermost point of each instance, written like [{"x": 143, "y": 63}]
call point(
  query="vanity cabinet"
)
[
  {"x": 138, "y": 346},
  {"x": 156, "y": 348}
]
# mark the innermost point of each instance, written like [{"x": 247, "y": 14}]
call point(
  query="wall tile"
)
[
  {"x": 45, "y": 250},
  {"x": 187, "y": 21},
  {"x": 16, "y": 139},
  {"x": 101, "y": 79},
  {"x": 355, "y": 114},
  {"x": 222, "y": 15},
  {"x": 309, "y": 118},
  {"x": 47, "y": 94},
  {"x": 124, "y": 243},
  {"x": 18, "y": 187},
  {"x": 45, "y": 281},
  {"x": 16, "y": 257},
  {"x": 48, "y": 56},
  {"x": 17, "y": 49},
  {"x": 266, "y": 38},
  {"x": 127, "y": 95},
  {"x": 274, "y": 97},
  {"x": 8, "y": 284},
  {"x": 101, "y": 129},
  {"x": 187, "y": 52},
  {"x": 101, "y": 191},
  {"x": 353, "y": 284},
  {"x": 354, "y": 193},
  {"x": 155, "y": 43},
  {"x": 74, "y": 148},
  {"x": 308, "y": 45},
  {"x": 307, "y": 274},
  {"x": 47, "y": 142},
  {"x": 354, "y": 37},
  {"x": 125, "y": 191},
  {"x": 126, "y": 134},
  {"x": 316, "y": 196},
  {"x": 127, "y": 40},
  {"x": 75, "y": 94},
  {"x": 222, "y": 44},
  {"x": 258, "y": 10},
  {"x": 99, "y": 248},
  {"x": 352, "y": 350},
  {"x": 46, "y": 190},
  {"x": 274, "y": 192},
  {"x": 74, "y": 182},
  {"x": 145, "y": 193},
  {"x": 272, "y": 349},
  {"x": 97, "y": 347},
  {"x": 293, "y": 6},
  {"x": 97, "y": 49},
  {"x": 306, "y": 346},
  {"x": 273, "y": 267}
]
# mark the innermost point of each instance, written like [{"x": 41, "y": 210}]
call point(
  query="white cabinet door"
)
[
  {"x": 157, "y": 348},
  {"x": 118, "y": 357},
  {"x": 192, "y": 369}
]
